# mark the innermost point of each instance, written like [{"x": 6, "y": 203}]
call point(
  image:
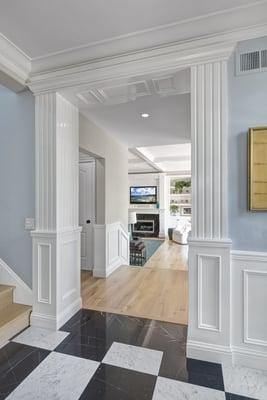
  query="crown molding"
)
[
  {"x": 179, "y": 45},
  {"x": 13, "y": 62},
  {"x": 157, "y": 59},
  {"x": 207, "y": 25}
]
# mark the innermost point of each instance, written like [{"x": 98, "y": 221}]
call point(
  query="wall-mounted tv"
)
[{"x": 143, "y": 194}]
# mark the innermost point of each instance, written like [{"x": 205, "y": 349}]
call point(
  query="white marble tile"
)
[
  {"x": 246, "y": 382},
  {"x": 134, "y": 358},
  {"x": 58, "y": 377},
  {"x": 39, "y": 337},
  {"x": 169, "y": 389}
]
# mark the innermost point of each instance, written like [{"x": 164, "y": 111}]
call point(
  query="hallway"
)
[{"x": 148, "y": 292}]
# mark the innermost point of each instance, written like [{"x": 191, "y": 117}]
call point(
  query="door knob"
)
[{"x": 88, "y": 221}]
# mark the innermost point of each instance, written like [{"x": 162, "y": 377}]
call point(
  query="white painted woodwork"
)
[
  {"x": 56, "y": 240},
  {"x": 22, "y": 293},
  {"x": 87, "y": 201},
  {"x": 209, "y": 335},
  {"x": 249, "y": 317},
  {"x": 111, "y": 248}
]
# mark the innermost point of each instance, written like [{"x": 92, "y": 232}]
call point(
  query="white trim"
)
[
  {"x": 248, "y": 339},
  {"x": 39, "y": 275},
  {"x": 202, "y": 325},
  {"x": 22, "y": 293},
  {"x": 52, "y": 322},
  {"x": 249, "y": 255},
  {"x": 225, "y": 243},
  {"x": 209, "y": 352},
  {"x": 104, "y": 264},
  {"x": 13, "y": 61},
  {"x": 250, "y": 358}
]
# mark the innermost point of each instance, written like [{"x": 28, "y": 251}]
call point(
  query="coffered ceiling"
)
[{"x": 117, "y": 108}]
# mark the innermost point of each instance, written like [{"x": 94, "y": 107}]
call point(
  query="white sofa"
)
[{"x": 181, "y": 231}]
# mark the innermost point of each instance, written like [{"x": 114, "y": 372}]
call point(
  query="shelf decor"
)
[{"x": 257, "y": 169}]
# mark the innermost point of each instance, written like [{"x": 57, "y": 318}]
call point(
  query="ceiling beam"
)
[{"x": 140, "y": 155}]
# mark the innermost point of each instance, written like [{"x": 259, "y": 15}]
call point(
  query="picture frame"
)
[
  {"x": 186, "y": 210},
  {"x": 257, "y": 169}
]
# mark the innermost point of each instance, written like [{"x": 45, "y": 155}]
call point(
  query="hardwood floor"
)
[
  {"x": 149, "y": 292},
  {"x": 169, "y": 255}
]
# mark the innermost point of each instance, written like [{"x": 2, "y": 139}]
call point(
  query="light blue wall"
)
[
  {"x": 248, "y": 108},
  {"x": 16, "y": 179}
]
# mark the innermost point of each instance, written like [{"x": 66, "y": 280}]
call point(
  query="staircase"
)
[{"x": 13, "y": 317}]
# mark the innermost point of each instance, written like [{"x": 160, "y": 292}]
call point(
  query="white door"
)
[{"x": 87, "y": 213}]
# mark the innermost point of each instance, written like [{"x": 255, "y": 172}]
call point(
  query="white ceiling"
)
[
  {"x": 170, "y": 159},
  {"x": 117, "y": 108},
  {"x": 40, "y": 27}
]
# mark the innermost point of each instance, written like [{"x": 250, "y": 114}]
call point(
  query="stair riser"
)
[
  {"x": 6, "y": 298},
  {"x": 14, "y": 327}
]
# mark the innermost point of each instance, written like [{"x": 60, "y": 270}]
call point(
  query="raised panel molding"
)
[
  {"x": 44, "y": 273},
  {"x": 249, "y": 296},
  {"x": 212, "y": 289},
  {"x": 111, "y": 249}
]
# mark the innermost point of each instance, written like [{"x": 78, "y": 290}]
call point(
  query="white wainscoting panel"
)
[
  {"x": 111, "y": 248},
  {"x": 249, "y": 300},
  {"x": 209, "y": 292},
  {"x": 22, "y": 293},
  {"x": 209, "y": 301},
  {"x": 44, "y": 272}
]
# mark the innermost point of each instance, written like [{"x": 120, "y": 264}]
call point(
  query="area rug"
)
[{"x": 152, "y": 246}]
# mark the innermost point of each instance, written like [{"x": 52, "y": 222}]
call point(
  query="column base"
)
[
  {"x": 56, "y": 277},
  {"x": 209, "y": 301}
]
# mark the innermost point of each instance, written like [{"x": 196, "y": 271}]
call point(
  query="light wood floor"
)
[
  {"x": 169, "y": 255},
  {"x": 149, "y": 292}
]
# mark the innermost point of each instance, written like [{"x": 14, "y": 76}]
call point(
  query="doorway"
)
[{"x": 87, "y": 215}]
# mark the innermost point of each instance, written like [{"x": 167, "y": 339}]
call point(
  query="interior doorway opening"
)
[
  {"x": 91, "y": 204},
  {"x": 152, "y": 121}
]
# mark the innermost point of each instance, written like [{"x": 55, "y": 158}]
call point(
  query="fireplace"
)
[{"x": 147, "y": 225}]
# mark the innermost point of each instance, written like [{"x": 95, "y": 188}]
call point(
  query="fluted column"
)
[
  {"x": 56, "y": 240},
  {"x": 209, "y": 247}
]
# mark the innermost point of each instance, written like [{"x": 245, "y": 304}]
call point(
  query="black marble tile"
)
[
  {"x": 107, "y": 326},
  {"x": 129, "y": 330},
  {"x": 113, "y": 383},
  {"x": 164, "y": 336},
  {"x": 83, "y": 346},
  {"x": 174, "y": 366},
  {"x": 230, "y": 396},
  {"x": 17, "y": 361},
  {"x": 196, "y": 372},
  {"x": 205, "y": 373}
]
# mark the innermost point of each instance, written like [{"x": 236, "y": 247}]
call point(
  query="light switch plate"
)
[{"x": 29, "y": 224}]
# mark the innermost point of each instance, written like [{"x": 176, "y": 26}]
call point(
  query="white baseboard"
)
[
  {"x": 209, "y": 352},
  {"x": 249, "y": 358},
  {"x": 104, "y": 272},
  {"x": 53, "y": 323},
  {"x": 22, "y": 293}
]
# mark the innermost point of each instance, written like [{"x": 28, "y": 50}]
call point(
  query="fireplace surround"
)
[{"x": 147, "y": 225}]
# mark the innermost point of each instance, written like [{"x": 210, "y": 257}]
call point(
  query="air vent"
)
[
  {"x": 249, "y": 61},
  {"x": 254, "y": 61},
  {"x": 264, "y": 59}
]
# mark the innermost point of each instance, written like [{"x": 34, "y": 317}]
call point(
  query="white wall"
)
[{"x": 115, "y": 154}]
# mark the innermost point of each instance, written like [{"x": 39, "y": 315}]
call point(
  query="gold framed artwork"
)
[{"x": 257, "y": 169}]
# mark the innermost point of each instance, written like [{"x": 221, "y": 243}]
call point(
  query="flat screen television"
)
[{"x": 143, "y": 194}]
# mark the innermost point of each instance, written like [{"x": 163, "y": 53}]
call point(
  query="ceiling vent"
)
[{"x": 254, "y": 61}]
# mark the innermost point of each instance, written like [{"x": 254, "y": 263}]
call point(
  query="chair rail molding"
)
[{"x": 56, "y": 240}]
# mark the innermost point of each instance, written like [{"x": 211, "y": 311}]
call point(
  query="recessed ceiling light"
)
[{"x": 145, "y": 115}]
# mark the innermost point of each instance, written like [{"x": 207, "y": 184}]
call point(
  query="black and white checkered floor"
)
[{"x": 102, "y": 356}]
